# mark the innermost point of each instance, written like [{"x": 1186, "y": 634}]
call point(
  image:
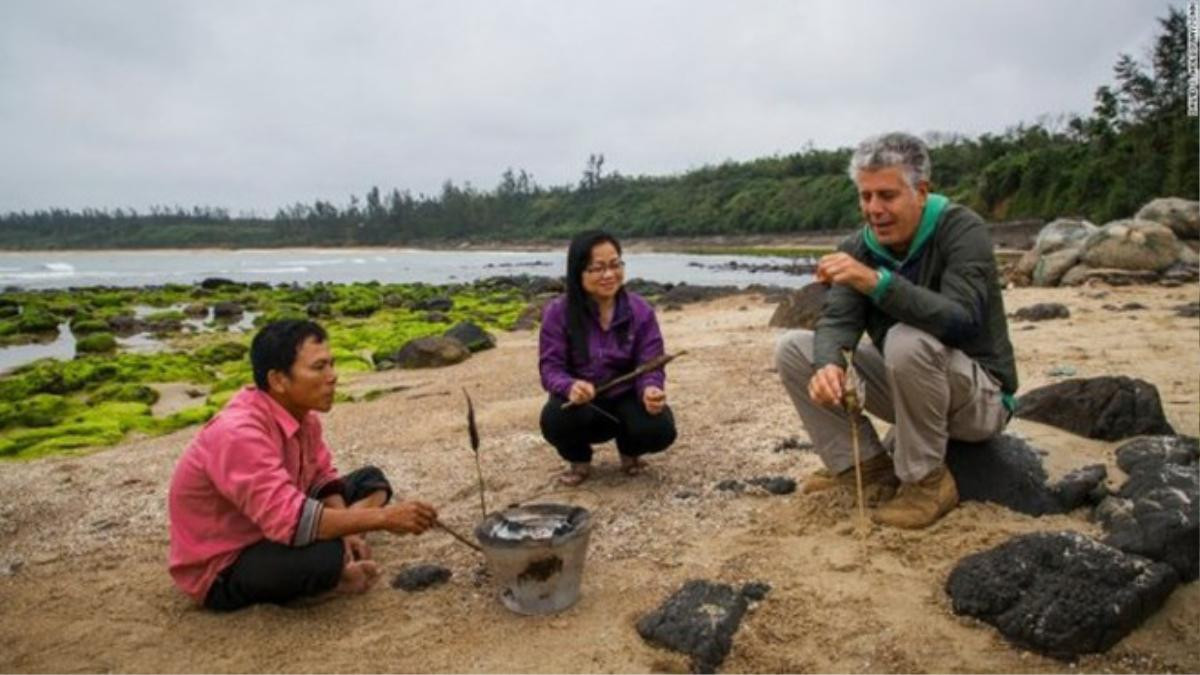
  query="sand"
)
[{"x": 83, "y": 540}]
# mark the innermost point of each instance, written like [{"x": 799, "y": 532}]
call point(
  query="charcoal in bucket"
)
[{"x": 536, "y": 555}]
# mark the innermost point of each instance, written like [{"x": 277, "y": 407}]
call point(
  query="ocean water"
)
[
  {"x": 62, "y": 269},
  {"x": 66, "y": 269}
]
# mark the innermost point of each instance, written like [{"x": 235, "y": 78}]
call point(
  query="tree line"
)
[{"x": 1138, "y": 143}]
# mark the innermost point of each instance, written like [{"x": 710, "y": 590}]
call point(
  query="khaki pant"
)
[{"x": 928, "y": 391}]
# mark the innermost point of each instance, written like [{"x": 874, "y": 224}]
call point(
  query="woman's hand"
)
[
  {"x": 654, "y": 399},
  {"x": 581, "y": 392}
]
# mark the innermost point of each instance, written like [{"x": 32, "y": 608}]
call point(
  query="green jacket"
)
[{"x": 947, "y": 286}]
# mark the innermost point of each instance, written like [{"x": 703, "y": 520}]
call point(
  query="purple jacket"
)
[{"x": 631, "y": 340}]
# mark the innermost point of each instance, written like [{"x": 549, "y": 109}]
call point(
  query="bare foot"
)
[
  {"x": 575, "y": 475},
  {"x": 357, "y": 577}
]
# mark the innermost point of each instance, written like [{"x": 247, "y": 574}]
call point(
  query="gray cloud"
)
[{"x": 256, "y": 105}]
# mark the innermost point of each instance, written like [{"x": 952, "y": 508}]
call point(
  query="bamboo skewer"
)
[
  {"x": 853, "y": 404},
  {"x": 652, "y": 364},
  {"x": 456, "y": 535}
]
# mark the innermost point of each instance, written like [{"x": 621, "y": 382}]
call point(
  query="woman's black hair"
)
[{"x": 579, "y": 254}]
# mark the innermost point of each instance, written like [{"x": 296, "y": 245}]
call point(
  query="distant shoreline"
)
[{"x": 633, "y": 244}]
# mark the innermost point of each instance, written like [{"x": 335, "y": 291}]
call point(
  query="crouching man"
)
[
  {"x": 920, "y": 278},
  {"x": 257, "y": 511}
]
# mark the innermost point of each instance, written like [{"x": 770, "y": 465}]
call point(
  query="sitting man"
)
[
  {"x": 257, "y": 512},
  {"x": 920, "y": 278}
]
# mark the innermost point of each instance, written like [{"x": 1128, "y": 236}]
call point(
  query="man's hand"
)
[
  {"x": 844, "y": 270},
  {"x": 409, "y": 517},
  {"x": 654, "y": 399},
  {"x": 827, "y": 385},
  {"x": 356, "y": 548},
  {"x": 581, "y": 392}
]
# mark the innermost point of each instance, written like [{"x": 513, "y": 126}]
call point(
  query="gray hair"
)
[{"x": 892, "y": 149}]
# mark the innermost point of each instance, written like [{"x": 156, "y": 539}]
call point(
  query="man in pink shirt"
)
[{"x": 257, "y": 511}]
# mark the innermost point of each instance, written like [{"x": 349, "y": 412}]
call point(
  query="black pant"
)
[
  {"x": 572, "y": 431},
  {"x": 276, "y": 573}
]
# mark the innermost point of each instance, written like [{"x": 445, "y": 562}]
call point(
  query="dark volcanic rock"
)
[
  {"x": 776, "y": 485},
  {"x": 1106, "y": 408},
  {"x": 1080, "y": 487},
  {"x": 800, "y": 309},
  {"x": 756, "y": 590},
  {"x": 792, "y": 443},
  {"x": 1189, "y": 311},
  {"x": 1150, "y": 451},
  {"x": 731, "y": 485},
  {"x": 318, "y": 310},
  {"x": 419, "y": 577},
  {"x": 1059, "y": 593},
  {"x": 435, "y": 304},
  {"x": 699, "y": 620},
  {"x": 646, "y": 288},
  {"x": 683, "y": 294},
  {"x": 1042, "y": 311},
  {"x": 430, "y": 352},
  {"x": 1154, "y": 514},
  {"x": 126, "y": 325},
  {"x": 229, "y": 311},
  {"x": 472, "y": 336},
  {"x": 212, "y": 283},
  {"x": 1004, "y": 470}
]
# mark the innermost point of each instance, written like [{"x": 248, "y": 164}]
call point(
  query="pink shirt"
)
[{"x": 253, "y": 472}]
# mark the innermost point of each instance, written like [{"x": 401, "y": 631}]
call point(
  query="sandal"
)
[{"x": 574, "y": 475}]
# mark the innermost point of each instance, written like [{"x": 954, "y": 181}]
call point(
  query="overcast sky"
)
[{"x": 254, "y": 105}]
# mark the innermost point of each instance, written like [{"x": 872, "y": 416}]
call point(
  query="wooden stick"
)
[
  {"x": 457, "y": 536},
  {"x": 853, "y": 406},
  {"x": 652, "y": 364}
]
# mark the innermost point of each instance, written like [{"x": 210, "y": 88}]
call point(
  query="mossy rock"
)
[
  {"x": 472, "y": 336},
  {"x": 31, "y": 443},
  {"x": 169, "y": 315},
  {"x": 40, "y": 410},
  {"x": 222, "y": 352},
  {"x": 359, "y": 307},
  {"x": 220, "y": 398},
  {"x": 124, "y": 391},
  {"x": 96, "y": 343},
  {"x": 86, "y": 325},
  {"x": 351, "y": 362},
  {"x": 35, "y": 319}
]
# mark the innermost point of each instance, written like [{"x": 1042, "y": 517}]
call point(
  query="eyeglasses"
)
[{"x": 615, "y": 267}]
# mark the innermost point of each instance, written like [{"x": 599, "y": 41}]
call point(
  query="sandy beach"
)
[{"x": 83, "y": 539}]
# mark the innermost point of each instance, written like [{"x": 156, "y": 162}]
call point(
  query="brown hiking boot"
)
[
  {"x": 920, "y": 504},
  {"x": 878, "y": 469}
]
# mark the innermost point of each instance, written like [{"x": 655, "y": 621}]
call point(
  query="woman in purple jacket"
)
[{"x": 593, "y": 333}]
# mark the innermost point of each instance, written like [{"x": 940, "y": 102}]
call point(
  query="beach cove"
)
[{"x": 84, "y": 581}]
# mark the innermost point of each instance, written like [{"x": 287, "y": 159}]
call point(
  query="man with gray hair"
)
[{"x": 920, "y": 278}]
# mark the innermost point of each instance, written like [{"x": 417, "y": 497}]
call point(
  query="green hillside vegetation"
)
[{"x": 1138, "y": 143}]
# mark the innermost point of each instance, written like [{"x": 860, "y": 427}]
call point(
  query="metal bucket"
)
[{"x": 536, "y": 554}]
